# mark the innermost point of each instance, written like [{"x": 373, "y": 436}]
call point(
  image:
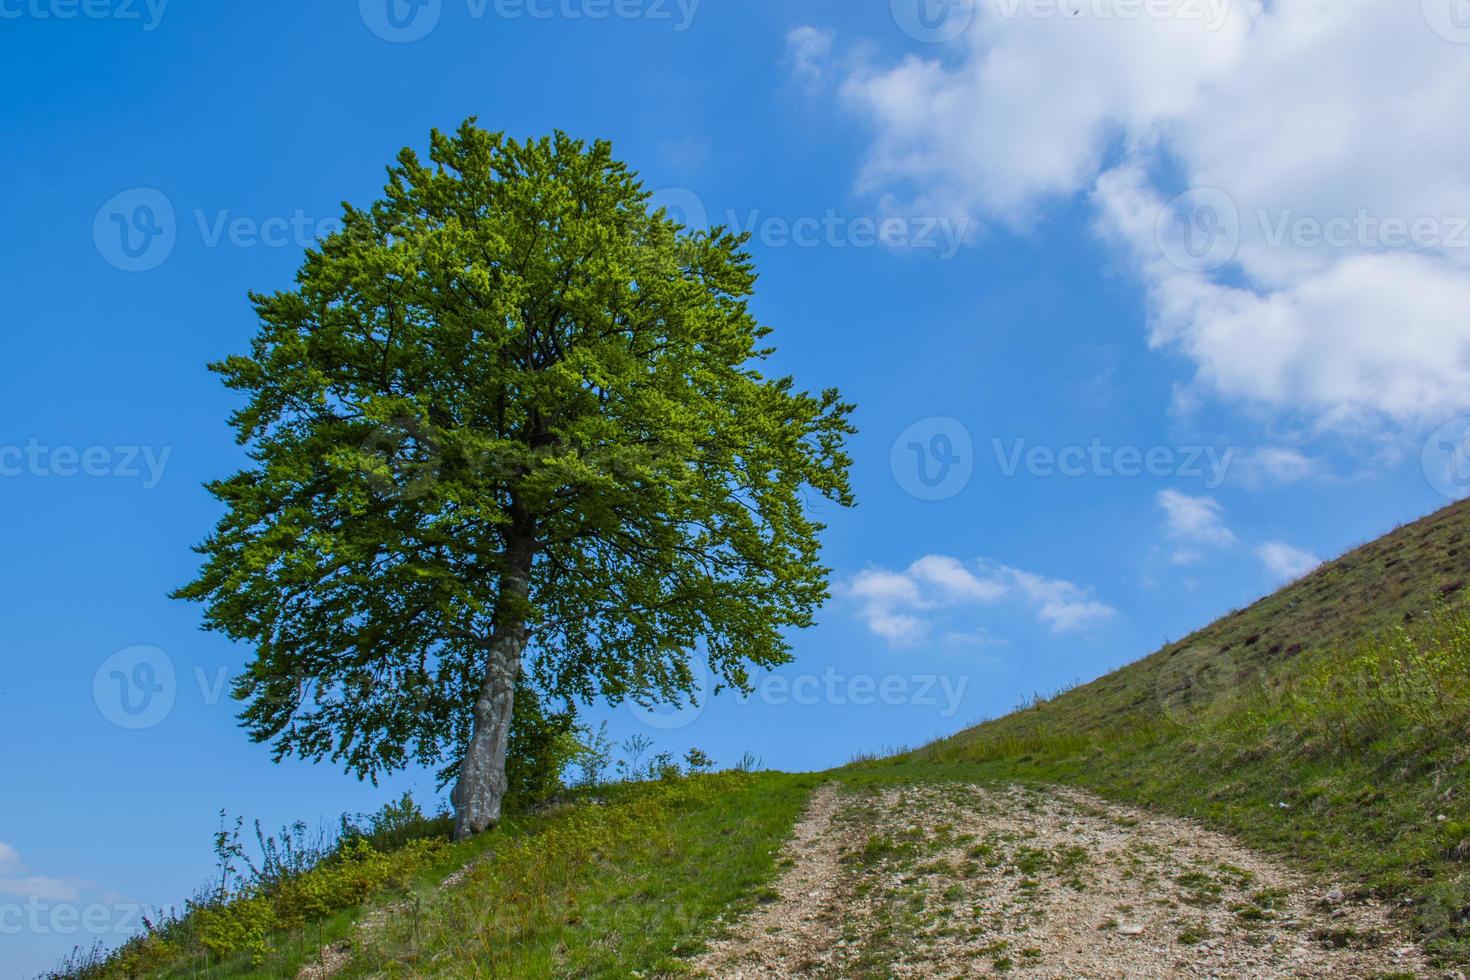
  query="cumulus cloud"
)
[
  {"x": 1320, "y": 305},
  {"x": 1059, "y": 604},
  {"x": 42, "y": 889},
  {"x": 953, "y": 581},
  {"x": 808, "y": 50},
  {"x": 1367, "y": 336},
  {"x": 1193, "y": 522},
  {"x": 14, "y": 881},
  {"x": 906, "y": 607},
  {"x": 1277, "y": 466},
  {"x": 1286, "y": 563}
]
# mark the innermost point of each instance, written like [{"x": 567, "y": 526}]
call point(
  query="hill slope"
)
[{"x": 1327, "y": 722}]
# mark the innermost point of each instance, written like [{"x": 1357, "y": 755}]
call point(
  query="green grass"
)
[
  {"x": 1329, "y": 722},
  {"x": 631, "y": 887},
  {"x": 627, "y": 880}
]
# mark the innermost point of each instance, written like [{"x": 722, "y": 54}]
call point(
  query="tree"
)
[{"x": 508, "y": 416}]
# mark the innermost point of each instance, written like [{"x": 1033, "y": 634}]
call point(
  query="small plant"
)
[
  {"x": 634, "y": 747},
  {"x": 595, "y": 757},
  {"x": 664, "y": 767},
  {"x": 748, "y": 762}
]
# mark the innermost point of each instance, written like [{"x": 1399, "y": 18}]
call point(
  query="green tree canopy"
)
[{"x": 509, "y": 415}]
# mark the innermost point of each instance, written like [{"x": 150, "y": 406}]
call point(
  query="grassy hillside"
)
[
  {"x": 1389, "y": 582},
  {"x": 1329, "y": 722},
  {"x": 619, "y": 880}
]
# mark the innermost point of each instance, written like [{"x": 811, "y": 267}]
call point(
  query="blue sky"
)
[{"x": 1146, "y": 308}]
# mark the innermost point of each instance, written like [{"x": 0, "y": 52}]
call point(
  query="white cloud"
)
[
  {"x": 15, "y": 881},
  {"x": 1193, "y": 521},
  {"x": 1285, "y": 562},
  {"x": 906, "y": 607},
  {"x": 1270, "y": 103},
  {"x": 1061, "y": 605},
  {"x": 1029, "y": 112},
  {"x": 954, "y": 581},
  {"x": 973, "y": 638},
  {"x": 808, "y": 50},
  {"x": 877, "y": 587},
  {"x": 1366, "y": 336},
  {"x": 42, "y": 889},
  {"x": 1277, "y": 466}
]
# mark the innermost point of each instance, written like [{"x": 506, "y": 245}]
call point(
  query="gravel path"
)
[{"x": 951, "y": 880}]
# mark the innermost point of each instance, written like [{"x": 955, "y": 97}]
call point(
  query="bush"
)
[
  {"x": 349, "y": 878},
  {"x": 393, "y": 825},
  {"x": 240, "y": 926},
  {"x": 542, "y": 745}
]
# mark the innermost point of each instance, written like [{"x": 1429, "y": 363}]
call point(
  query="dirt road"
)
[{"x": 951, "y": 880}]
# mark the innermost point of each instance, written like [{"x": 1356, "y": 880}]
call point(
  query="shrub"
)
[
  {"x": 542, "y": 745},
  {"x": 240, "y": 926},
  {"x": 393, "y": 824}
]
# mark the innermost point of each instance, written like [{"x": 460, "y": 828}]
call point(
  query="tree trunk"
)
[{"x": 478, "y": 794}]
